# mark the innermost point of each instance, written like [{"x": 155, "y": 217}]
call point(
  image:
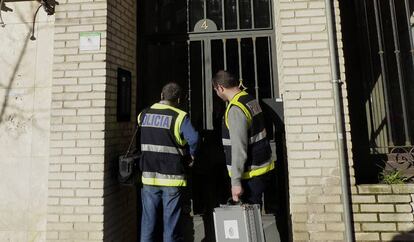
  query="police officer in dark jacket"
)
[
  {"x": 165, "y": 133},
  {"x": 247, "y": 149}
]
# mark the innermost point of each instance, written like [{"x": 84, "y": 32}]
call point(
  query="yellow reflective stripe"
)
[
  {"x": 181, "y": 115},
  {"x": 138, "y": 118},
  {"x": 177, "y": 128},
  {"x": 245, "y": 111},
  {"x": 256, "y": 171},
  {"x": 235, "y": 101},
  {"x": 163, "y": 182}
]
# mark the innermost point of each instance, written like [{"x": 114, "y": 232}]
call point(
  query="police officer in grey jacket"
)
[{"x": 247, "y": 149}]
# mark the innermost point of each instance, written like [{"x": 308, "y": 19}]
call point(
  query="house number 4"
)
[{"x": 204, "y": 25}]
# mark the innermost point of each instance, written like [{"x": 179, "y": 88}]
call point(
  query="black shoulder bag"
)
[{"x": 128, "y": 165}]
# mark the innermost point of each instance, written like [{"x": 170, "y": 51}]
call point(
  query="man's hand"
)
[{"x": 236, "y": 192}]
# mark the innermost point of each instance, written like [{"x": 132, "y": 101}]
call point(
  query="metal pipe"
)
[
  {"x": 270, "y": 14},
  {"x": 224, "y": 55},
  {"x": 252, "y": 13},
  {"x": 230, "y": 34},
  {"x": 256, "y": 81},
  {"x": 203, "y": 90},
  {"x": 223, "y": 15},
  {"x": 188, "y": 16},
  {"x": 208, "y": 84},
  {"x": 399, "y": 71},
  {"x": 384, "y": 71},
  {"x": 240, "y": 62},
  {"x": 238, "y": 14},
  {"x": 205, "y": 9},
  {"x": 189, "y": 61},
  {"x": 189, "y": 76},
  {"x": 272, "y": 70},
  {"x": 340, "y": 123}
]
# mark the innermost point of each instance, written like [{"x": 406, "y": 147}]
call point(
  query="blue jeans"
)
[{"x": 152, "y": 197}]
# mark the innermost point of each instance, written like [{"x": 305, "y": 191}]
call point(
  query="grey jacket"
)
[{"x": 238, "y": 128}]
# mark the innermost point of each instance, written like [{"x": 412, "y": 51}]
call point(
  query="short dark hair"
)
[
  {"x": 225, "y": 79},
  {"x": 171, "y": 91}
]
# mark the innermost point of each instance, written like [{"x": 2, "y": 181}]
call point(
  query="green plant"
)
[{"x": 392, "y": 177}]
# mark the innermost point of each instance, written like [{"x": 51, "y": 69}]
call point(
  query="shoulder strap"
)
[{"x": 132, "y": 141}]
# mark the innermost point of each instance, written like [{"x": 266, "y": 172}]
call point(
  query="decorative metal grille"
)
[
  {"x": 387, "y": 27},
  {"x": 232, "y": 35}
]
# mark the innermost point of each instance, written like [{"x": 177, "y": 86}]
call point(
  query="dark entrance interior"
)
[
  {"x": 187, "y": 42},
  {"x": 378, "y": 45}
]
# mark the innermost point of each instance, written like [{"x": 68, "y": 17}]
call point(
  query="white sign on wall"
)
[{"x": 90, "y": 41}]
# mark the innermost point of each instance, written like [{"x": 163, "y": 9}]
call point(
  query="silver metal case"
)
[{"x": 242, "y": 223}]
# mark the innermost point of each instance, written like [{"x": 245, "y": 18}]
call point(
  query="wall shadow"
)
[
  {"x": 369, "y": 83},
  {"x": 404, "y": 237},
  {"x": 276, "y": 197},
  {"x": 120, "y": 203},
  {"x": 9, "y": 85}
]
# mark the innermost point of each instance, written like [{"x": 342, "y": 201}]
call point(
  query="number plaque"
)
[{"x": 205, "y": 25}]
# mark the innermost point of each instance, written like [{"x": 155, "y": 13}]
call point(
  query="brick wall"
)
[
  {"x": 85, "y": 201},
  {"x": 312, "y": 149},
  {"x": 120, "y": 203},
  {"x": 384, "y": 212},
  {"x": 77, "y": 162}
]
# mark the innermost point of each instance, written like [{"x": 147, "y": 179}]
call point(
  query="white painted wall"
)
[{"x": 25, "y": 100}]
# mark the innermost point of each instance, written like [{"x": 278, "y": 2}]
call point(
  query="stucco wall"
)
[{"x": 25, "y": 94}]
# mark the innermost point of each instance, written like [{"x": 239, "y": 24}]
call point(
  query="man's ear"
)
[
  {"x": 162, "y": 96},
  {"x": 178, "y": 100}
]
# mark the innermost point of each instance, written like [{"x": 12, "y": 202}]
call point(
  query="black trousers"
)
[{"x": 254, "y": 189}]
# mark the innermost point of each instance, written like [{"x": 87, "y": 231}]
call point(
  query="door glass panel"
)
[
  {"x": 232, "y": 57},
  {"x": 214, "y": 12},
  {"x": 196, "y": 82},
  {"x": 261, "y": 14},
  {"x": 151, "y": 17},
  {"x": 245, "y": 14},
  {"x": 151, "y": 87},
  {"x": 263, "y": 67},
  {"x": 196, "y": 12},
  {"x": 217, "y": 63},
  {"x": 217, "y": 57},
  {"x": 165, "y": 16},
  {"x": 230, "y": 14},
  {"x": 248, "y": 65},
  {"x": 173, "y": 17},
  {"x": 234, "y": 11},
  {"x": 170, "y": 58}
]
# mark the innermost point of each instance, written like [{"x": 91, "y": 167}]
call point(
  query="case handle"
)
[{"x": 230, "y": 201}]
